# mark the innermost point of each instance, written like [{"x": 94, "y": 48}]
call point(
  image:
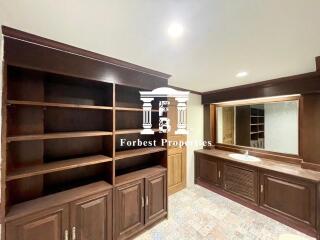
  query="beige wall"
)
[{"x": 195, "y": 126}]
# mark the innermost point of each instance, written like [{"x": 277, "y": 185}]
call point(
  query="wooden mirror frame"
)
[{"x": 290, "y": 158}]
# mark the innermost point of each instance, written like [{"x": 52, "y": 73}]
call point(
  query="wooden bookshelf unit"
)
[
  {"x": 65, "y": 174},
  {"x": 257, "y": 126}
]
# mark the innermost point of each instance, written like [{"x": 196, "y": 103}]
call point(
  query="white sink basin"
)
[{"x": 243, "y": 157}]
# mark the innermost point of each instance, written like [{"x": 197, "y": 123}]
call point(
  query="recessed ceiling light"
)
[
  {"x": 175, "y": 30},
  {"x": 242, "y": 74}
]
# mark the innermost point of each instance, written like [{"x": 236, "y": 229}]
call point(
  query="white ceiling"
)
[{"x": 267, "y": 38}]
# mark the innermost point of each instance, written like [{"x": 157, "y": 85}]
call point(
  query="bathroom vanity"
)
[
  {"x": 283, "y": 191},
  {"x": 265, "y": 152}
]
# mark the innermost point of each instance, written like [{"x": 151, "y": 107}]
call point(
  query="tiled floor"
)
[{"x": 196, "y": 213}]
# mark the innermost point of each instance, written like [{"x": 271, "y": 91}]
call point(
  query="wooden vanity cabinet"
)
[
  {"x": 241, "y": 180},
  {"x": 290, "y": 199},
  {"x": 289, "y": 196},
  {"x": 139, "y": 203},
  {"x": 208, "y": 169}
]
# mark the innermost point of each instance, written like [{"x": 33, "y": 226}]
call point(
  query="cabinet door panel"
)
[
  {"x": 129, "y": 209},
  {"x": 289, "y": 196},
  {"x": 156, "y": 197},
  {"x": 241, "y": 181},
  {"x": 91, "y": 217},
  {"x": 52, "y": 223},
  {"x": 207, "y": 169}
]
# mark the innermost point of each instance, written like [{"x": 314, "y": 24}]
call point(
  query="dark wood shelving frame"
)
[
  {"x": 62, "y": 120},
  {"x": 60, "y": 105}
]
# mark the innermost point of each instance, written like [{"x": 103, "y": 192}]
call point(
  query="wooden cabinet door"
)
[
  {"x": 52, "y": 223},
  {"x": 177, "y": 160},
  {"x": 176, "y": 169},
  {"x": 207, "y": 169},
  {"x": 288, "y": 196},
  {"x": 241, "y": 181},
  {"x": 129, "y": 209},
  {"x": 156, "y": 197},
  {"x": 91, "y": 217}
]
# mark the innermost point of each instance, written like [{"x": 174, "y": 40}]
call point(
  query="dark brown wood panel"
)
[
  {"x": 240, "y": 180},
  {"x": 25, "y": 84},
  {"x": 156, "y": 197},
  {"x": 24, "y": 189},
  {"x": 288, "y": 196},
  {"x": 209, "y": 115},
  {"x": 299, "y": 84},
  {"x": 52, "y": 223},
  {"x": 29, "y": 55},
  {"x": 243, "y": 120},
  {"x": 129, "y": 209},
  {"x": 207, "y": 169},
  {"x": 14, "y": 33},
  {"x": 318, "y": 210},
  {"x": 91, "y": 217},
  {"x": 310, "y": 128},
  {"x": 318, "y": 63}
]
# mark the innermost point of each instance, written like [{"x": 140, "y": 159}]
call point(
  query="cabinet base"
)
[{"x": 289, "y": 222}]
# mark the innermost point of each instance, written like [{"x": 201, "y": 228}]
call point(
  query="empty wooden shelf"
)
[
  {"x": 133, "y": 109},
  {"x": 57, "y": 166},
  {"x": 60, "y": 105},
  {"x": 138, "y": 152},
  {"x": 46, "y": 136},
  {"x": 131, "y": 131}
]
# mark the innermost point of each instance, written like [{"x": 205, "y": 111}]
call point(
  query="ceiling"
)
[{"x": 269, "y": 39}]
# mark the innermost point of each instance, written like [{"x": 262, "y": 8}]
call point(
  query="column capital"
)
[{"x": 146, "y": 99}]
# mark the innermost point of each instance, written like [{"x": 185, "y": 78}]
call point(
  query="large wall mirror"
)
[{"x": 272, "y": 126}]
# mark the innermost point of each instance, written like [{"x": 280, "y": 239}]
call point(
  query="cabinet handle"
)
[
  {"x": 219, "y": 174},
  {"x": 66, "y": 235},
  {"x": 261, "y": 188},
  {"x": 147, "y": 200},
  {"x": 142, "y": 202},
  {"x": 74, "y": 233}
]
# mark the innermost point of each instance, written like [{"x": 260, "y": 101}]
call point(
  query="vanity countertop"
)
[{"x": 277, "y": 166}]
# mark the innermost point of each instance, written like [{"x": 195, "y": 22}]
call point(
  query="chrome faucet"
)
[{"x": 246, "y": 152}]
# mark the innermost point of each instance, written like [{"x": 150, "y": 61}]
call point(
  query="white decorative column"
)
[
  {"x": 182, "y": 115},
  {"x": 147, "y": 116}
]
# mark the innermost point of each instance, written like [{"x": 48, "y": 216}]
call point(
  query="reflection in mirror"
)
[{"x": 273, "y": 126}]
